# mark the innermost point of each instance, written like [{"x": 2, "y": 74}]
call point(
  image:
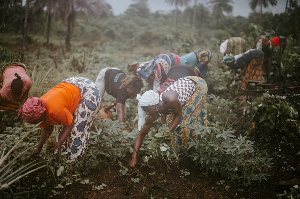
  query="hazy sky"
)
[{"x": 240, "y": 7}]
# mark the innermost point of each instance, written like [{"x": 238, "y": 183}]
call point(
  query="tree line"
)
[{"x": 41, "y": 14}]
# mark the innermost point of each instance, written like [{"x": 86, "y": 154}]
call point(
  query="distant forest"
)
[{"x": 50, "y": 21}]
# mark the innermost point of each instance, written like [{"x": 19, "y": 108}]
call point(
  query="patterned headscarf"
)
[
  {"x": 32, "y": 109},
  {"x": 149, "y": 98},
  {"x": 204, "y": 55},
  {"x": 228, "y": 59}
]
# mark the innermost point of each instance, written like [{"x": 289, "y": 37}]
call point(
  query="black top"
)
[
  {"x": 179, "y": 71},
  {"x": 244, "y": 59},
  {"x": 114, "y": 79}
]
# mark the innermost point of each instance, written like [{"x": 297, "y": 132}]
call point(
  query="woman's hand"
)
[
  {"x": 55, "y": 145},
  {"x": 133, "y": 162},
  {"x": 106, "y": 107},
  {"x": 35, "y": 152}
]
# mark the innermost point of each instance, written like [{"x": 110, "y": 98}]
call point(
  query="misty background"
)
[{"x": 240, "y": 7}]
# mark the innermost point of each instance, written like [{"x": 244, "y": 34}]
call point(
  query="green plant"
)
[
  {"x": 4, "y": 55},
  {"x": 39, "y": 76},
  {"x": 11, "y": 171},
  {"x": 218, "y": 150},
  {"x": 275, "y": 118},
  {"x": 293, "y": 194}
]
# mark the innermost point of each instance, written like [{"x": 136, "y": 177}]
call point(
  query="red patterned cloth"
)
[
  {"x": 253, "y": 72},
  {"x": 32, "y": 109}
]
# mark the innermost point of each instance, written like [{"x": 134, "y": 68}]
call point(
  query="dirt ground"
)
[{"x": 182, "y": 180}]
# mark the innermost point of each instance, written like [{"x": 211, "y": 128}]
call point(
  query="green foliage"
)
[
  {"x": 218, "y": 150},
  {"x": 160, "y": 143},
  {"x": 294, "y": 193},
  {"x": 4, "y": 54},
  {"x": 38, "y": 77},
  {"x": 275, "y": 119},
  {"x": 221, "y": 110},
  {"x": 12, "y": 164}
]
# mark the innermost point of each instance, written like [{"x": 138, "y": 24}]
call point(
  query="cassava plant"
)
[
  {"x": 275, "y": 118},
  {"x": 218, "y": 150}
]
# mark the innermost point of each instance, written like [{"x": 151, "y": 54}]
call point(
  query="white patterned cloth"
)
[{"x": 184, "y": 87}]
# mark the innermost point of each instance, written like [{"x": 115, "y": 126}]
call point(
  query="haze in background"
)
[{"x": 240, "y": 7}]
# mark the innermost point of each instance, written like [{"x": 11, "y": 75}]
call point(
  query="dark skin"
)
[
  {"x": 46, "y": 132},
  {"x": 238, "y": 76},
  {"x": 120, "y": 107},
  {"x": 150, "y": 79},
  {"x": 169, "y": 104}
]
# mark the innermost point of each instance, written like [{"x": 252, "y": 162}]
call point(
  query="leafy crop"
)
[
  {"x": 218, "y": 150},
  {"x": 275, "y": 119}
]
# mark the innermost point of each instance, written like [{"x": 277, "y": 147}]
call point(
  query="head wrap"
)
[
  {"x": 204, "y": 56},
  {"x": 223, "y": 47},
  {"x": 228, "y": 59},
  {"x": 275, "y": 41},
  {"x": 149, "y": 98},
  {"x": 32, "y": 109}
]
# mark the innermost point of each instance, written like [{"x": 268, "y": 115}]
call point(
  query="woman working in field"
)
[
  {"x": 175, "y": 73},
  {"x": 72, "y": 104},
  {"x": 248, "y": 64},
  {"x": 116, "y": 83},
  {"x": 185, "y": 100},
  {"x": 15, "y": 86},
  {"x": 198, "y": 60},
  {"x": 155, "y": 71}
]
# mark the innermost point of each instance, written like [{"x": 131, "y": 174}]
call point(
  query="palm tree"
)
[
  {"x": 177, "y": 3},
  {"x": 261, "y": 3},
  {"x": 67, "y": 9},
  {"x": 286, "y": 5},
  {"x": 25, "y": 42},
  {"x": 6, "y": 8},
  {"x": 41, "y": 4},
  {"x": 194, "y": 17},
  {"x": 220, "y": 6}
]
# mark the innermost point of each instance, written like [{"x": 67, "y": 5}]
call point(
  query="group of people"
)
[
  {"x": 249, "y": 64},
  {"x": 176, "y": 93}
]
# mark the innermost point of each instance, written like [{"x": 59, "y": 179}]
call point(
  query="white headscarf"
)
[
  {"x": 149, "y": 98},
  {"x": 223, "y": 47}
]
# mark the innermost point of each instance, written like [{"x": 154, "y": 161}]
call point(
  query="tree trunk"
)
[
  {"x": 25, "y": 40},
  {"x": 49, "y": 18},
  {"x": 175, "y": 15},
  {"x": 194, "y": 18},
  {"x": 68, "y": 33}
]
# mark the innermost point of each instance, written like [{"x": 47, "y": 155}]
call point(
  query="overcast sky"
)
[{"x": 240, "y": 7}]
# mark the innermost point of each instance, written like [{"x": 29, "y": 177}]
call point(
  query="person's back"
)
[
  {"x": 114, "y": 78},
  {"x": 175, "y": 73},
  {"x": 179, "y": 71},
  {"x": 236, "y": 45}
]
